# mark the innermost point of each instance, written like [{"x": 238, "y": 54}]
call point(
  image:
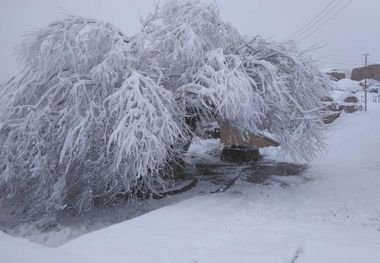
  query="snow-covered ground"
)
[
  {"x": 329, "y": 214},
  {"x": 348, "y": 85}
]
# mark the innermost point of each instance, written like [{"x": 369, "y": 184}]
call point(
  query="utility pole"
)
[{"x": 365, "y": 82}]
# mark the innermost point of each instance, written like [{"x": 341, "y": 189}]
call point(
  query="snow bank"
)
[
  {"x": 348, "y": 85},
  {"x": 340, "y": 97},
  {"x": 21, "y": 250},
  {"x": 370, "y": 82}
]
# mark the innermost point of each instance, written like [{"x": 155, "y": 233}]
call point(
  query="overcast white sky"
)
[{"x": 353, "y": 32}]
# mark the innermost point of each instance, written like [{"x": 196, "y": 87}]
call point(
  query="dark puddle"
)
[{"x": 261, "y": 172}]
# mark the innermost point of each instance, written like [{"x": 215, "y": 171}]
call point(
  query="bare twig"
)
[
  {"x": 297, "y": 254},
  {"x": 229, "y": 185}
]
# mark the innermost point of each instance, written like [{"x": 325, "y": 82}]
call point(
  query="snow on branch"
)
[
  {"x": 223, "y": 89},
  {"x": 81, "y": 122},
  {"x": 180, "y": 33},
  {"x": 95, "y": 114},
  {"x": 256, "y": 85},
  {"x": 295, "y": 110}
]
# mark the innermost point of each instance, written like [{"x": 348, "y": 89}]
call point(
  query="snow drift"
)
[{"x": 348, "y": 85}]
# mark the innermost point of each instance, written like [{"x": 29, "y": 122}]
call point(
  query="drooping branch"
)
[
  {"x": 83, "y": 119},
  {"x": 95, "y": 114}
]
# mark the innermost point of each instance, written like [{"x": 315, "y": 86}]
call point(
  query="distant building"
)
[
  {"x": 336, "y": 75},
  {"x": 373, "y": 72}
]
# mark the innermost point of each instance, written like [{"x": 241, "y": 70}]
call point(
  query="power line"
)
[
  {"x": 328, "y": 20},
  {"x": 315, "y": 47},
  {"x": 356, "y": 64},
  {"x": 353, "y": 60},
  {"x": 321, "y": 20},
  {"x": 339, "y": 59},
  {"x": 340, "y": 64},
  {"x": 344, "y": 57},
  {"x": 314, "y": 19},
  {"x": 336, "y": 55},
  {"x": 336, "y": 60}
]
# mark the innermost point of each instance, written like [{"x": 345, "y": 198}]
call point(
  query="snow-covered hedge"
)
[{"x": 94, "y": 114}]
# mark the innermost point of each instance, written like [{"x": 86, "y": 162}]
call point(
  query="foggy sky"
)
[{"x": 350, "y": 34}]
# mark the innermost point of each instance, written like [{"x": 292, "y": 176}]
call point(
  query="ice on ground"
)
[{"x": 332, "y": 215}]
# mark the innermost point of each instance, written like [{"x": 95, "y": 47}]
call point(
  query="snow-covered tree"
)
[
  {"x": 82, "y": 120},
  {"x": 253, "y": 84},
  {"x": 95, "y": 114},
  {"x": 292, "y": 92}
]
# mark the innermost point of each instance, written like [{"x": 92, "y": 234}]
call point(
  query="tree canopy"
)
[{"x": 95, "y": 113}]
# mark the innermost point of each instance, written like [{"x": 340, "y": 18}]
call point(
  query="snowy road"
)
[{"x": 332, "y": 214}]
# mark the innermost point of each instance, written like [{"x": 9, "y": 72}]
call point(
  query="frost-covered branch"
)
[
  {"x": 95, "y": 114},
  {"x": 295, "y": 110},
  {"x": 81, "y": 122}
]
